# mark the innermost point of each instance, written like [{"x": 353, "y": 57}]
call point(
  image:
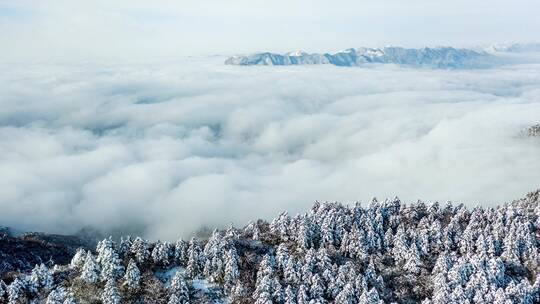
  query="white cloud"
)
[{"x": 173, "y": 145}]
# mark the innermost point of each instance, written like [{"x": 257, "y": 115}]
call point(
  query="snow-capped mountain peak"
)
[{"x": 439, "y": 57}]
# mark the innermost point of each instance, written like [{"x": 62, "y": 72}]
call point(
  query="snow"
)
[
  {"x": 201, "y": 284},
  {"x": 166, "y": 276},
  {"x": 439, "y": 57}
]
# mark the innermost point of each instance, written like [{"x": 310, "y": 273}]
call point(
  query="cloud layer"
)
[{"x": 174, "y": 145}]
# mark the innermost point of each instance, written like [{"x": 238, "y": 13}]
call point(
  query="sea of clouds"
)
[{"x": 170, "y": 145}]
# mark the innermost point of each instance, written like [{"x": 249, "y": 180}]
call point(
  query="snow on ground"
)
[{"x": 166, "y": 276}]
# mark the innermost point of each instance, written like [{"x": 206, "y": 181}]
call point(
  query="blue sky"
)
[{"x": 65, "y": 29}]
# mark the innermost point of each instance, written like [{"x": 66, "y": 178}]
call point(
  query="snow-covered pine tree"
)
[
  {"x": 111, "y": 265},
  {"x": 56, "y": 296},
  {"x": 346, "y": 295},
  {"x": 162, "y": 253},
  {"x": 132, "y": 277},
  {"x": 369, "y": 297},
  {"x": 291, "y": 273},
  {"x": 231, "y": 267},
  {"x": 69, "y": 298},
  {"x": 125, "y": 246},
  {"x": 317, "y": 288},
  {"x": 281, "y": 225},
  {"x": 264, "y": 298},
  {"x": 78, "y": 259},
  {"x": 3, "y": 289},
  {"x": 231, "y": 234},
  {"x": 140, "y": 250},
  {"x": 282, "y": 255},
  {"x": 277, "y": 291},
  {"x": 213, "y": 252},
  {"x": 263, "y": 288},
  {"x": 290, "y": 296},
  {"x": 305, "y": 233},
  {"x": 413, "y": 262},
  {"x": 41, "y": 277},
  {"x": 90, "y": 271},
  {"x": 196, "y": 261},
  {"x": 181, "y": 252},
  {"x": 252, "y": 229},
  {"x": 16, "y": 291},
  {"x": 179, "y": 287},
  {"x": 173, "y": 299},
  {"x": 110, "y": 294},
  {"x": 238, "y": 292},
  {"x": 302, "y": 296}
]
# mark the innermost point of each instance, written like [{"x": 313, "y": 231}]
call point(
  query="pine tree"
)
[
  {"x": 277, "y": 291},
  {"x": 16, "y": 291},
  {"x": 369, "y": 297},
  {"x": 111, "y": 265},
  {"x": 413, "y": 262},
  {"x": 139, "y": 248},
  {"x": 347, "y": 295},
  {"x": 78, "y": 259},
  {"x": 3, "y": 289},
  {"x": 132, "y": 277},
  {"x": 69, "y": 298},
  {"x": 316, "y": 288},
  {"x": 56, "y": 296},
  {"x": 290, "y": 272},
  {"x": 90, "y": 271},
  {"x": 125, "y": 246},
  {"x": 280, "y": 226},
  {"x": 238, "y": 292},
  {"x": 231, "y": 267},
  {"x": 179, "y": 287},
  {"x": 253, "y": 230},
  {"x": 173, "y": 299},
  {"x": 282, "y": 255},
  {"x": 305, "y": 235},
  {"x": 303, "y": 296},
  {"x": 213, "y": 252},
  {"x": 264, "y": 298},
  {"x": 263, "y": 286},
  {"x": 290, "y": 297},
  {"x": 110, "y": 293},
  {"x": 162, "y": 253},
  {"x": 181, "y": 252},
  {"x": 195, "y": 260},
  {"x": 41, "y": 277}
]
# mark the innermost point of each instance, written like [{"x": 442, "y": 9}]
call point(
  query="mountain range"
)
[{"x": 439, "y": 57}]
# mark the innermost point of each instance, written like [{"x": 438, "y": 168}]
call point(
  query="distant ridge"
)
[
  {"x": 439, "y": 57},
  {"x": 514, "y": 48}
]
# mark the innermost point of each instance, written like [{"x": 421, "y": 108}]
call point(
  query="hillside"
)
[{"x": 385, "y": 252}]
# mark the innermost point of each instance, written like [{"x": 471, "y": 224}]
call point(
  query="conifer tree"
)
[
  {"x": 290, "y": 297},
  {"x": 78, "y": 259},
  {"x": 140, "y": 249},
  {"x": 16, "y": 291},
  {"x": 56, "y": 296},
  {"x": 179, "y": 287},
  {"x": 90, "y": 272},
  {"x": 132, "y": 277},
  {"x": 110, "y": 294}
]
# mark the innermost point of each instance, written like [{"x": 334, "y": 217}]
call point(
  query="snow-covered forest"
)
[{"x": 381, "y": 252}]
